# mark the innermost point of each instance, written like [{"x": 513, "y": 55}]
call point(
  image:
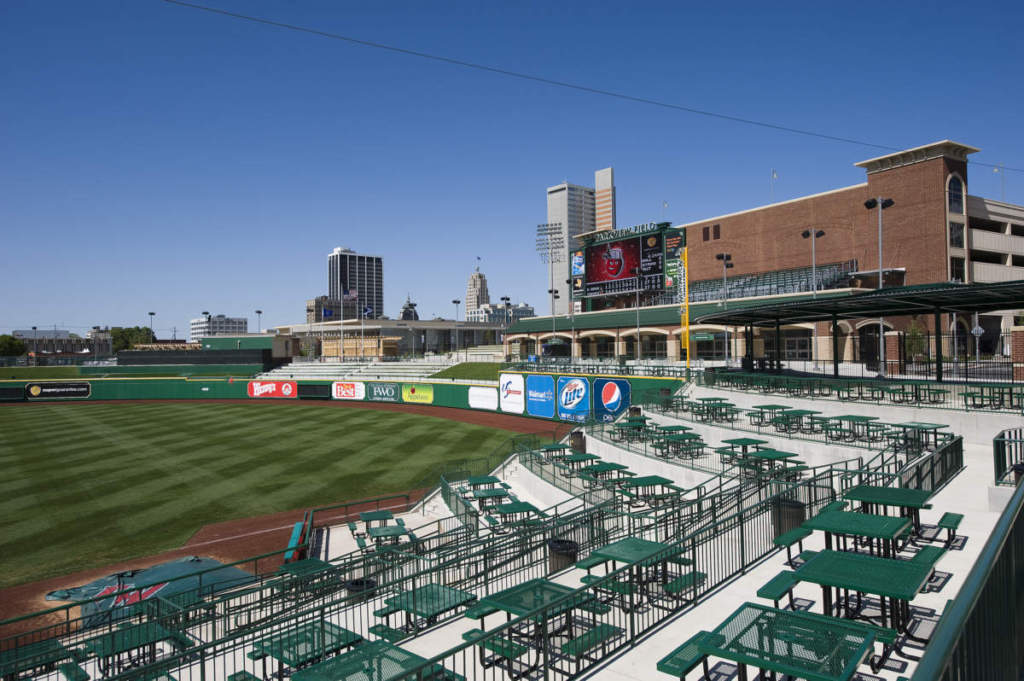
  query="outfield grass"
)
[
  {"x": 85, "y": 485},
  {"x": 483, "y": 371}
]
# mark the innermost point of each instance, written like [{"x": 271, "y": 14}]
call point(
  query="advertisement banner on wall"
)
[
  {"x": 383, "y": 392},
  {"x": 573, "y": 398},
  {"x": 49, "y": 391},
  {"x": 418, "y": 393},
  {"x": 540, "y": 396},
  {"x": 348, "y": 390},
  {"x": 280, "y": 389},
  {"x": 611, "y": 397},
  {"x": 483, "y": 398},
  {"x": 510, "y": 392}
]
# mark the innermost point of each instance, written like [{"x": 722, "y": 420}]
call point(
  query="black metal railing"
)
[{"x": 1007, "y": 450}]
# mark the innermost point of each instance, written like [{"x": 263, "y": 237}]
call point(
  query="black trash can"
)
[
  {"x": 1018, "y": 472},
  {"x": 636, "y": 411},
  {"x": 562, "y": 553},
  {"x": 361, "y": 589},
  {"x": 787, "y": 514},
  {"x": 577, "y": 441}
]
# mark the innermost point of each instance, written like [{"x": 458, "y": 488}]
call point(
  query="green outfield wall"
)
[{"x": 561, "y": 397}]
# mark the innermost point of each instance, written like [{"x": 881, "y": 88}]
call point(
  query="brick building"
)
[{"x": 934, "y": 231}]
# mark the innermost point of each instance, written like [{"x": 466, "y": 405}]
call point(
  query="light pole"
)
[
  {"x": 456, "y": 302},
  {"x": 551, "y": 246},
  {"x": 813, "y": 235},
  {"x": 259, "y": 321},
  {"x": 95, "y": 344},
  {"x": 553, "y": 292},
  {"x": 727, "y": 265},
  {"x": 35, "y": 346},
  {"x": 572, "y": 320},
  {"x": 881, "y": 204},
  {"x": 506, "y": 302},
  {"x": 151, "y": 332}
]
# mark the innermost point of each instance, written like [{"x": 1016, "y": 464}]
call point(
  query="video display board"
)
[{"x": 611, "y": 267}]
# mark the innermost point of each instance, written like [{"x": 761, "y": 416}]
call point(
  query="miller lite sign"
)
[
  {"x": 280, "y": 389},
  {"x": 573, "y": 398}
]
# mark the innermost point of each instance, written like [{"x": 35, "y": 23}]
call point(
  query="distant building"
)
[
  {"x": 57, "y": 342},
  {"x": 476, "y": 291},
  {"x": 498, "y": 314},
  {"x": 356, "y": 278},
  {"x": 577, "y": 210},
  {"x": 326, "y": 309},
  {"x": 216, "y": 325},
  {"x": 408, "y": 313}
]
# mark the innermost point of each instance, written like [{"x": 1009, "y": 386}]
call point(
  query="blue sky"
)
[{"x": 162, "y": 158}]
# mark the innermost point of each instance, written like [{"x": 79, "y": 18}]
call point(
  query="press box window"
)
[
  {"x": 717, "y": 230},
  {"x": 956, "y": 195},
  {"x": 707, "y": 231}
]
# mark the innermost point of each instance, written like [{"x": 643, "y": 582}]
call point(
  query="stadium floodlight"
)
[
  {"x": 455, "y": 302},
  {"x": 813, "y": 235},
  {"x": 551, "y": 245},
  {"x": 151, "y": 332},
  {"x": 259, "y": 321}
]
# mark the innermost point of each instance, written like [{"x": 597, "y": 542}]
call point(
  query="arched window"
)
[{"x": 956, "y": 195}]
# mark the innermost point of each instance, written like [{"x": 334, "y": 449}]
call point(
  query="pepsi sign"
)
[
  {"x": 573, "y": 398},
  {"x": 611, "y": 397}
]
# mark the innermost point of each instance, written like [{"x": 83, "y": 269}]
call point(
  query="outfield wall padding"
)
[{"x": 480, "y": 397}]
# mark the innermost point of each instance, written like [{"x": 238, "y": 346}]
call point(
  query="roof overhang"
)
[{"x": 905, "y": 300}]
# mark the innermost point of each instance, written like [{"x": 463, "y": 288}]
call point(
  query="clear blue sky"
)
[{"x": 162, "y": 158}]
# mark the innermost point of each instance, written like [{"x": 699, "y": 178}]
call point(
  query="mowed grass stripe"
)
[{"x": 87, "y": 484}]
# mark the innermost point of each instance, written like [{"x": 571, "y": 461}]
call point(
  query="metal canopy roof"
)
[{"x": 905, "y": 300}]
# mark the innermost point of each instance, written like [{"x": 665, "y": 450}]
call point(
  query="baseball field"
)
[{"x": 85, "y": 485}]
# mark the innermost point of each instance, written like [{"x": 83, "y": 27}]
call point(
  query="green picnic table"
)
[
  {"x": 108, "y": 648},
  {"x": 674, "y": 429},
  {"x": 639, "y": 554},
  {"x": 766, "y": 459},
  {"x": 37, "y": 655},
  {"x": 899, "y": 581},
  {"x": 490, "y": 496},
  {"x": 515, "y": 509},
  {"x": 522, "y": 599},
  {"x": 379, "y": 516},
  {"x": 652, "y": 489},
  {"x": 799, "y": 644},
  {"x": 909, "y": 501},
  {"x": 765, "y": 413},
  {"x": 884, "y": 528},
  {"x": 603, "y": 469},
  {"x": 576, "y": 460},
  {"x": 858, "y": 424},
  {"x": 306, "y": 643},
  {"x": 554, "y": 451},
  {"x": 372, "y": 661},
  {"x": 794, "y": 420},
  {"x": 744, "y": 443},
  {"x": 428, "y": 602},
  {"x": 391, "y": 532},
  {"x": 478, "y": 481},
  {"x": 918, "y": 436}
]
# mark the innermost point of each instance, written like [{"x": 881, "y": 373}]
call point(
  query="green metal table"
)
[
  {"x": 744, "y": 443},
  {"x": 517, "y": 511},
  {"x": 766, "y": 412},
  {"x": 391, "y": 533},
  {"x": 603, "y": 469},
  {"x": 884, "y": 528},
  {"x": 478, "y": 481},
  {"x": 109, "y": 648},
  {"x": 801, "y": 644},
  {"x": 524, "y": 598},
  {"x": 380, "y": 516},
  {"x": 428, "y": 602},
  {"x": 576, "y": 460},
  {"x": 490, "y": 496},
  {"x": 653, "y": 489},
  {"x": 897, "y": 581},
  {"x": 373, "y": 661},
  {"x": 857, "y": 423},
  {"x": 640, "y": 554},
  {"x": 37, "y": 655},
  {"x": 310, "y": 641},
  {"x": 918, "y": 436},
  {"x": 766, "y": 459},
  {"x": 909, "y": 501}
]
